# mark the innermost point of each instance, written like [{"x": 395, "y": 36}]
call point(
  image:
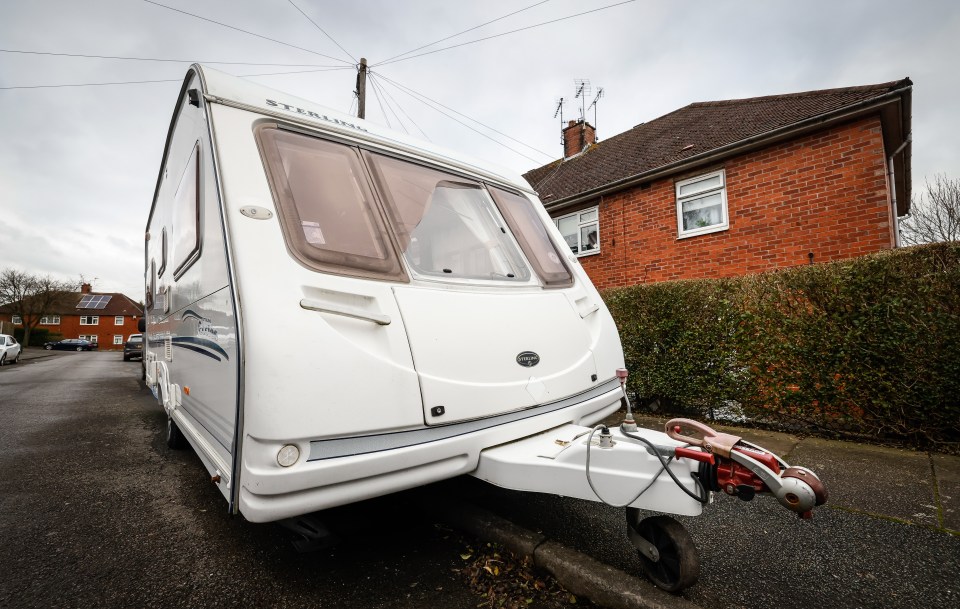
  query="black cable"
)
[
  {"x": 415, "y": 94},
  {"x": 323, "y": 30},
  {"x": 237, "y": 63},
  {"x": 461, "y": 122},
  {"x": 384, "y": 90},
  {"x": 242, "y": 30},
  {"x": 386, "y": 100},
  {"x": 373, "y": 88},
  {"x": 704, "y": 499},
  {"x": 529, "y": 27},
  {"x": 465, "y": 31},
  {"x": 141, "y": 82}
]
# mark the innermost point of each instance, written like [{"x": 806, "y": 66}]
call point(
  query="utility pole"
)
[{"x": 362, "y": 88}]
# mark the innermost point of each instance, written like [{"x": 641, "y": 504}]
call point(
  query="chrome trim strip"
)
[
  {"x": 315, "y": 305},
  {"x": 360, "y": 445}
]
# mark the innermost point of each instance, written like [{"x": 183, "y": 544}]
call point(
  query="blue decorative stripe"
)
[
  {"x": 200, "y": 342},
  {"x": 197, "y": 349}
]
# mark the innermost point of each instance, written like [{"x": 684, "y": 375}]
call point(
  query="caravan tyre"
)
[{"x": 175, "y": 437}]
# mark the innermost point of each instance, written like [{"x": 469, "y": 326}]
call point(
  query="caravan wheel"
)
[
  {"x": 678, "y": 566},
  {"x": 175, "y": 437}
]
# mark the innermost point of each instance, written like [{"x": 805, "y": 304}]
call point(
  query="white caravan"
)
[{"x": 336, "y": 312}]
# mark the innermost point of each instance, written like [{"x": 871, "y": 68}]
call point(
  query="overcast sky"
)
[{"x": 78, "y": 165}]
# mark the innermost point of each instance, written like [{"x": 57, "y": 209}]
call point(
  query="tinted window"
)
[
  {"x": 533, "y": 238},
  {"x": 186, "y": 217},
  {"x": 326, "y": 205}
]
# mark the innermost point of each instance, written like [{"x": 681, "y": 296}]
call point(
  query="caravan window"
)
[
  {"x": 533, "y": 238},
  {"x": 447, "y": 225},
  {"x": 326, "y": 205},
  {"x": 186, "y": 217}
]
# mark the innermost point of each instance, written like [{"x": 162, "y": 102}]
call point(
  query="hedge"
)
[
  {"x": 38, "y": 336},
  {"x": 862, "y": 347}
]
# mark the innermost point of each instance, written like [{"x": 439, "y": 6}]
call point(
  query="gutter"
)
[{"x": 863, "y": 107}]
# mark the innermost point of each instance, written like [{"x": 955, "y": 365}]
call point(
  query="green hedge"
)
[
  {"x": 869, "y": 346},
  {"x": 38, "y": 336}
]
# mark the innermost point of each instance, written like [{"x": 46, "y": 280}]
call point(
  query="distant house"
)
[
  {"x": 106, "y": 318},
  {"x": 726, "y": 188}
]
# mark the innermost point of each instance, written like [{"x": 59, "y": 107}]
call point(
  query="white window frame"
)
[
  {"x": 50, "y": 320},
  {"x": 581, "y": 224},
  {"x": 721, "y": 189},
  {"x": 89, "y": 320},
  {"x": 90, "y": 337},
  {"x": 118, "y": 320},
  {"x": 16, "y": 320},
  {"x": 118, "y": 339}
]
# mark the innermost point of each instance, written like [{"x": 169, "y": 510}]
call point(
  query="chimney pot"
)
[
  {"x": 577, "y": 137},
  {"x": 85, "y": 288}
]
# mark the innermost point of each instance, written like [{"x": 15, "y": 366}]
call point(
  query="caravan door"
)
[{"x": 487, "y": 312}]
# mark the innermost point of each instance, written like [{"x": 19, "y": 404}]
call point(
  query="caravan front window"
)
[
  {"x": 448, "y": 226},
  {"x": 326, "y": 205}
]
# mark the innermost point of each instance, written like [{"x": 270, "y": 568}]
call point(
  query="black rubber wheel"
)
[
  {"x": 3, "y": 359},
  {"x": 679, "y": 564},
  {"x": 16, "y": 360},
  {"x": 175, "y": 438},
  {"x": 48, "y": 347},
  {"x": 126, "y": 358},
  {"x": 79, "y": 348}
]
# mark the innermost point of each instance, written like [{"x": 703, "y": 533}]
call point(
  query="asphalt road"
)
[{"x": 95, "y": 511}]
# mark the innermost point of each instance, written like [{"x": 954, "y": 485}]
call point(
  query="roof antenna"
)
[
  {"x": 559, "y": 111},
  {"x": 583, "y": 90},
  {"x": 593, "y": 105}
]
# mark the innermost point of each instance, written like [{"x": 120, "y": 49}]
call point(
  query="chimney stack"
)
[
  {"x": 85, "y": 288},
  {"x": 577, "y": 136}
]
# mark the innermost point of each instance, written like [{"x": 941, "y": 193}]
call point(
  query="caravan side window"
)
[
  {"x": 186, "y": 217},
  {"x": 330, "y": 218}
]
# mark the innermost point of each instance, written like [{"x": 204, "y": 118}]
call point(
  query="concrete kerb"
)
[{"x": 575, "y": 571}]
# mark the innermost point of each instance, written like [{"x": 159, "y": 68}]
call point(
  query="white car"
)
[{"x": 9, "y": 350}]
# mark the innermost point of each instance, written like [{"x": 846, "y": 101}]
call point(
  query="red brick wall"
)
[
  {"x": 824, "y": 194},
  {"x": 70, "y": 327}
]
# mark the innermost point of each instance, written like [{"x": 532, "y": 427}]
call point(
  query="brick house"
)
[
  {"x": 106, "y": 318},
  {"x": 725, "y": 188}
]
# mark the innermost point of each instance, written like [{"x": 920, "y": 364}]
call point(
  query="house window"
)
[
  {"x": 118, "y": 320},
  {"x": 50, "y": 320},
  {"x": 118, "y": 339},
  {"x": 702, "y": 205},
  {"x": 16, "y": 320},
  {"x": 89, "y": 320},
  {"x": 581, "y": 231},
  {"x": 90, "y": 337}
]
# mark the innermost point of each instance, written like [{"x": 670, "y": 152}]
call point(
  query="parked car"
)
[
  {"x": 133, "y": 347},
  {"x": 71, "y": 344},
  {"x": 9, "y": 350}
]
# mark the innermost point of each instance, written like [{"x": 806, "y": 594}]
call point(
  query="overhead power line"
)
[
  {"x": 142, "y": 82},
  {"x": 384, "y": 90},
  {"x": 430, "y": 103},
  {"x": 523, "y": 29},
  {"x": 476, "y": 27},
  {"x": 235, "y": 63},
  {"x": 287, "y": 44},
  {"x": 417, "y": 95},
  {"x": 323, "y": 30}
]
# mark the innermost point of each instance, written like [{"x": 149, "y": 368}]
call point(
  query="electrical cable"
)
[
  {"x": 704, "y": 498},
  {"x": 142, "y": 82},
  {"x": 237, "y": 63},
  {"x": 465, "y": 31},
  {"x": 415, "y": 95},
  {"x": 244, "y": 31},
  {"x": 381, "y": 94},
  {"x": 384, "y": 90},
  {"x": 529, "y": 27},
  {"x": 323, "y": 30},
  {"x": 373, "y": 88}
]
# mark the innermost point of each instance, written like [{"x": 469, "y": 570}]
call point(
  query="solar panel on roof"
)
[{"x": 94, "y": 301}]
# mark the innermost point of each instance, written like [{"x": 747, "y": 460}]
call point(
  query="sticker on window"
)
[{"x": 312, "y": 233}]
